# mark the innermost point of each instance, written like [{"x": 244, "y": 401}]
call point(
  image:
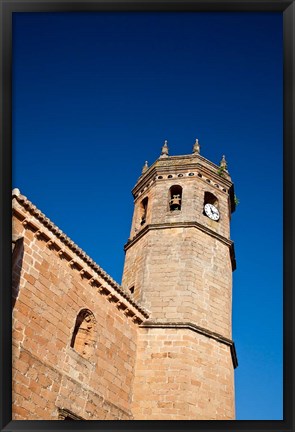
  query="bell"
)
[{"x": 175, "y": 202}]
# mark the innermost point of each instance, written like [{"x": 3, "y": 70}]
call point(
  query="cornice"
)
[
  {"x": 78, "y": 260},
  {"x": 191, "y": 326},
  {"x": 195, "y": 224},
  {"x": 180, "y": 163}
]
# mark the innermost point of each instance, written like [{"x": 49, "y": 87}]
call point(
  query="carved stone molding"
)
[
  {"x": 197, "y": 225},
  {"x": 191, "y": 326}
]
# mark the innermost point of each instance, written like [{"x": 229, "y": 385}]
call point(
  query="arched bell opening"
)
[
  {"x": 175, "y": 198},
  {"x": 143, "y": 210}
]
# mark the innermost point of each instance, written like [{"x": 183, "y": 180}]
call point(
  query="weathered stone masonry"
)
[
  {"x": 54, "y": 281},
  {"x": 179, "y": 263},
  {"x": 157, "y": 347}
]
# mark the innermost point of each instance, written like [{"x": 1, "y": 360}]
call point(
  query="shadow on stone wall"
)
[{"x": 17, "y": 262}]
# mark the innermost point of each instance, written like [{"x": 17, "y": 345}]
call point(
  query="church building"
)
[{"x": 157, "y": 347}]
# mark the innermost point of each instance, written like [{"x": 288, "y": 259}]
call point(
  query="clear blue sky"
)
[{"x": 95, "y": 95}]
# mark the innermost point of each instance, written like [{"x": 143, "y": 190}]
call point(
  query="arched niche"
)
[{"x": 84, "y": 334}]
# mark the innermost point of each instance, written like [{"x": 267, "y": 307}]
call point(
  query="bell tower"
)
[{"x": 178, "y": 265}]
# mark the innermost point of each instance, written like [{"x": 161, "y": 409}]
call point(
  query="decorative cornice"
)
[
  {"x": 182, "y": 162},
  {"x": 119, "y": 296},
  {"x": 185, "y": 160},
  {"x": 195, "y": 224},
  {"x": 191, "y": 326}
]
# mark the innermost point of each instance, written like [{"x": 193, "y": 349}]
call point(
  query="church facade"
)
[{"x": 158, "y": 346}]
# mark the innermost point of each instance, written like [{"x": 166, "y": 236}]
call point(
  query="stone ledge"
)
[
  {"x": 191, "y": 326},
  {"x": 197, "y": 225}
]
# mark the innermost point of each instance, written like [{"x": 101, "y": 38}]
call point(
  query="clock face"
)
[{"x": 211, "y": 212}]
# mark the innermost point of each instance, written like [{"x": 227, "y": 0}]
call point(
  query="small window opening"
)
[
  {"x": 83, "y": 339},
  {"x": 132, "y": 289},
  {"x": 17, "y": 262},
  {"x": 66, "y": 415},
  {"x": 175, "y": 198},
  {"x": 209, "y": 198},
  {"x": 143, "y": 210}
]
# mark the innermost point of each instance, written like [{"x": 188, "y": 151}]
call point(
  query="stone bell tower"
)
[{"x": 178, "y": 265}]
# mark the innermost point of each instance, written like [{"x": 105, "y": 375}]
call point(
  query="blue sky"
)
[{"x": 96, "y": 94}]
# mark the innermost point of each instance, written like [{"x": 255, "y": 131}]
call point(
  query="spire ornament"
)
[
  {"x": 196, "y": 148},
  {"x": 222, "y": 166},
  {"x": 223, "y": 163},
  {"x": 145, "y": 167},
  {"x": 165, "y": 150}
]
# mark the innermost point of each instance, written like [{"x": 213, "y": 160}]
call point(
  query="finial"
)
[
  {"x": 164, "y": 152},
  {"x": 223, "y": 163},
  {"x": 15, "y": 192},
  {"x": 145, "y": 167},
  {"x": 196, "y": 148}
]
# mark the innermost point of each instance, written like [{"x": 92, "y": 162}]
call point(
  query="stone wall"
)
[
  {"x": 182, "y": 274},
  {"x": 52, "y": 283},
  {"x": 182, "y": 375}
]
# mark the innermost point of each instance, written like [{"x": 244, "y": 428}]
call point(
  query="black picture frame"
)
[{"x": 287, "y": 8}]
